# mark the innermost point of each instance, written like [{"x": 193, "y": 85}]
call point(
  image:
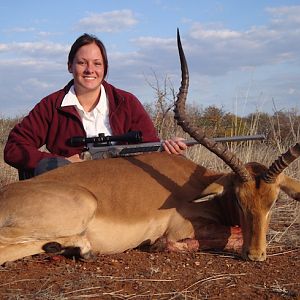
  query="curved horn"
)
[
  {"x": 282, "y": 162},
  {"x": 182, "y": 120}
]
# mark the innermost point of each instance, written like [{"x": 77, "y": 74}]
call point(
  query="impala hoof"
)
[
  {"x": 52, "y": 247},
  {"x": 255, "y": 256}
]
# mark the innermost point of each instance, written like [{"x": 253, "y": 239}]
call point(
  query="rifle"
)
[{"x": 102, "y": 146}]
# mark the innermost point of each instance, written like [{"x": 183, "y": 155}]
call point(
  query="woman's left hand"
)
[{"x": 175, "y": 146}]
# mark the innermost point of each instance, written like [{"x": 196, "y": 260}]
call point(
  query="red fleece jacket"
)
[{"x": 52, "y": 125}]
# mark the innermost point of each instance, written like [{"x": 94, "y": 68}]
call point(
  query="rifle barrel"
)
[
  {"x": 241, "y": 138},
  {"x": 157, "y": 146}
]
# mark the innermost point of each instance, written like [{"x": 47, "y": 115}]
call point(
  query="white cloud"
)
[
  {"x": 199, "y": 32},
  {"x": 24, "y": 82},
  {"x": 155, "y": 42},
  {"x": 291, "y": 91},
  {"x": 37, "y": 83},
  {"x": 220, "y": 50},
  {"x": 4, "y": 47},
  {"x": 19, "y": 30},
  {"x": 37, "y": 47},
  {"x": 285, "y": 14},
  {"x": 120, "y": 59},
  {"x": 28, "y": 51},
  {"x": 113, "y": 21}
]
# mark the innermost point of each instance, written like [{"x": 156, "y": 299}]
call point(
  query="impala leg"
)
[
  {"x": 186, "y": 245},
  {"x": 210, "y": 237},
  {"x": 18, "y": 251},
  {"x": 220, "y": 237}
]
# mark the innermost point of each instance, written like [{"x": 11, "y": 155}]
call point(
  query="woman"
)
[{"x": 86, "y": 106}]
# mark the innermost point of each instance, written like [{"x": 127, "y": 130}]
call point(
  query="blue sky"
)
[{"x": 243, "y": 56}]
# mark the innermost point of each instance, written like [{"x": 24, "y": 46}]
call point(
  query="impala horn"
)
[
  {"x": 281, "y": 163},
  {"x": 198, "y": 134}
]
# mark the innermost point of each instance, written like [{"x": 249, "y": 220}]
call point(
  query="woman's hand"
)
[
  {"x": 74, "y": 158},
  {"x": 175, "y": 146}
]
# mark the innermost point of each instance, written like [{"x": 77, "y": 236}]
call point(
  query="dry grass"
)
[{"x": 8, "y": 174}]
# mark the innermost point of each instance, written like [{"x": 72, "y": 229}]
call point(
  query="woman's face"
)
[{"x": 87, "y": 69}]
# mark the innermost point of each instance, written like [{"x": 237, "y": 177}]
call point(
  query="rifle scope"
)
[{"x": 106, "y": 140}]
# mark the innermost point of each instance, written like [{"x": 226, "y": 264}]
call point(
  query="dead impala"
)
[{"x": 109, "y": 206}]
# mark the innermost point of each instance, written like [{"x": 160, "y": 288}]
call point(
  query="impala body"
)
[
  {"x": 112, "y": 205},
  {"x": 109, "y": 206}
]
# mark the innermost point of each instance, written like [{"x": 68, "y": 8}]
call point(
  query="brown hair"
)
[{"x": 87, "y": 39}]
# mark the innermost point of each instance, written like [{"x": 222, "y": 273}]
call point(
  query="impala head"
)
[
  {"x": 255, "y": 199},
  {"x": 253, "y": 186}
]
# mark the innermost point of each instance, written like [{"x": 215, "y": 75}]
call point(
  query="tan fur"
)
[{"x": 112, "y": 205}]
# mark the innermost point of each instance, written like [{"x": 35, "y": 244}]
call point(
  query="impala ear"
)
[
  {"x": 290, "y": 186},
  {"x": 218, "y": 187}
]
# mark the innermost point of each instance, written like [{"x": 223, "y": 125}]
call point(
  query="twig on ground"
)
[
  {"x": 17, "y": 281},
  {"x": 205, "y": 280},
  {"x": 278, "y": 289},
  {"x": 284, "y": 252},
  {"x": 134, "y": 279}
]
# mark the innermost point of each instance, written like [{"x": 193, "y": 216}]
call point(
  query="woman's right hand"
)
[{"x": 74, "y": 158}]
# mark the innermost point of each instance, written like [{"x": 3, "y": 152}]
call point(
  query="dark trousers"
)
[
  {"x": 50, "y": 163},
  {"x": 46, "y": 164}
]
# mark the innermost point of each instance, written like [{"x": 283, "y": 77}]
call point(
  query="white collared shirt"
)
[{"x": 95, "y": 121}]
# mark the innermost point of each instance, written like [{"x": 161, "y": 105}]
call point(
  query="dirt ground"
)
[{"x": 142, "y": 275}]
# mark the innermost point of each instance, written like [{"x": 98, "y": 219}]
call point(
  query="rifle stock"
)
[{"x": 100, "y": 152}]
